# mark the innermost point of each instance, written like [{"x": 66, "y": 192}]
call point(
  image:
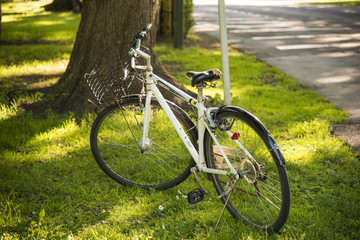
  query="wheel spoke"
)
[
  {"x": 117, "y": 139},
  {"x": 257, "y": 197}
]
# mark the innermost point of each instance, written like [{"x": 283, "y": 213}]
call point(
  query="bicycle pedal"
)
[{"x": 196, "y": 196}]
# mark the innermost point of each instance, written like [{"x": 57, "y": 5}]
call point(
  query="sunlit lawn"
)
[
  {"x": 34, "y": 43},
  {"x": 51, "y": 187}
]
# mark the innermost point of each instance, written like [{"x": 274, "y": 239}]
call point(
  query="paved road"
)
[{"x": 317, "y": 45}]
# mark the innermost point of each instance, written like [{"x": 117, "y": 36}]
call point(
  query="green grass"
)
[
  {"x": 51, "y": 187},
  {"x": 47, "y": 27},
  {"x": 268, "y": 93},
  {"x": 300, "y": 119},
  {"x": 34, "y": 43}
]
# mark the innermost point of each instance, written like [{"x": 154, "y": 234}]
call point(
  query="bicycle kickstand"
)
[
  {"x": 227, "y": 192},
  {"x": 196, "y": 195}
]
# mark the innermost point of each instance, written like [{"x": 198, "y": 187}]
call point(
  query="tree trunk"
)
[{"x": 103, "y": 23}]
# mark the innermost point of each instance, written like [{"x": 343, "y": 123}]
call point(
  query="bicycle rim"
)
[
  {"x": 261, "y": 197},
  {"x": 116, "y": 138}
]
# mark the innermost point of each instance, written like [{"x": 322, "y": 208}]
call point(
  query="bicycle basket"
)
[{"x": 108, "y": 81}]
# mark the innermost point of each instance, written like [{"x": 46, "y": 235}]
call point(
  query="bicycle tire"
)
[
  {"x": 259, "y": 200},
  {"x": 115, "y": 137}
]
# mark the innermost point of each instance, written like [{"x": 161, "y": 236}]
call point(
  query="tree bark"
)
[{"x": 104, "y": 23}]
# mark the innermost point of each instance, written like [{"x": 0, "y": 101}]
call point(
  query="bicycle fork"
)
[{"x": 145, "y": 142}]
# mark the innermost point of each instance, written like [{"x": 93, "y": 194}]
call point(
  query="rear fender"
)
[{"x": 255, "y": 123}]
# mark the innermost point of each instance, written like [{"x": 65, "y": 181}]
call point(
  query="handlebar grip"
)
[
  {"x": 142, "y": 35},
  {"x": 147, "y": 28}
]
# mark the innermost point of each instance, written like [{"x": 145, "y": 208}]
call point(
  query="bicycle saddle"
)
[{"x": 205, "y": 76}]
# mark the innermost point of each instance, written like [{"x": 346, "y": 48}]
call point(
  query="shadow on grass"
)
[
  {"x": 48, "y": 178},
  {"x": 26, "y": 53},
  {"x": 19, "y": 129},
  {"x": 70, "y": 190},
  {"x": 33, "y": 82},
  {"x": 325, "y": 194},
  {"x": 50, "y": 186}
]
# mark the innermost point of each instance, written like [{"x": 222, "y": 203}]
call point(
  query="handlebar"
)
[
  {"x": 136, "y": 44},
  {"x": 142, "y": 35},
  {"x": 148, "y": 27}
]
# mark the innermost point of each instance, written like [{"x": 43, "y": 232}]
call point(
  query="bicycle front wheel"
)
[
  {"x": 116, "y": 138},
  {"x": 261, "y": 197}
]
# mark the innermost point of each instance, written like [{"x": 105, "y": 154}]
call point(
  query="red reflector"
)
[{"x": 235, "y": 136}]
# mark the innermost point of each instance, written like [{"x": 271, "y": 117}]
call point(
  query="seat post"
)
[{"x": 200, "y": 92}]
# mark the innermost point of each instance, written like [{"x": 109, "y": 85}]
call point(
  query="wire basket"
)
[{"x": 107, "y": 80}]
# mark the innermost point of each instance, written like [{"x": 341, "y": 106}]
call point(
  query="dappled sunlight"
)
[
  {"x": 142, "y": 214},
  {"x": 48, "y": 145},
  {"x": 56, "y": 142},
  {"x": 37, "y": 16},
  {"x": 31, "y": 75},
  {"x": 47, "y": 26},
  {"x": 52, "y": 188},
  {"x": 322, "y": 173},
  {"x": 34, "y": 67},
  {"x": 27, "y": 53},
  {"x": 299, "y": 120},
  {"x": 36, "y": 44},
  {"x": 295, "y": 151},
  {"x": 19, "y": 17},
  {"x": 335, "y": 79},
  {"x": 28, "y": 64},
  {"x": 13, "y": 108},
  {"x": 7, "y": 111},
  {"x": 38, "y": 139},
  {"x": 294, "y": 148},
  {"x": 333, "y": 76},
  {"x": 62, "y": 20},
  {"x": 126, "y": 215},
  {"x": 24, "y": 7},
  {"x": 319, "y": 147},
  {"x": 317, "y": 128}
]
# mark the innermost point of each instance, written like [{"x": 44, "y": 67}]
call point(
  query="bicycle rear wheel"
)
[
  {"x": 116, "y": 137},
  {"x": 261, "y": 197}
]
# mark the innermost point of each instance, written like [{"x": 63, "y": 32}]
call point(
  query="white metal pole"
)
[{"x": 224, "y": 51}]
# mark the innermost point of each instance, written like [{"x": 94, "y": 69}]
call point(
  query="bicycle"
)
[{"x": 147, "y": 141}]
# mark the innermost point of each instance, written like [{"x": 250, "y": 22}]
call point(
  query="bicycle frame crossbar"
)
[
  {"x": 152, "y": 90},
  {"x": 173, "y": 89}
]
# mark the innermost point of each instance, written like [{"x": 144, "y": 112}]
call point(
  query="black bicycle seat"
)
[{"x": 205, "y": 76}]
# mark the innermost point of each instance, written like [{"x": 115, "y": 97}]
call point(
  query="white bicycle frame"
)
[{"x": 152, "y": 90}]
